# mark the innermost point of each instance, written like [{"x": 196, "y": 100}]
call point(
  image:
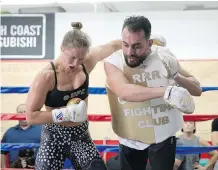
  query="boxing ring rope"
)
[
  {"x": 107, "y": 118},
  {"x": 92, "y": 90},
  {"x": 101, "y": 118}
]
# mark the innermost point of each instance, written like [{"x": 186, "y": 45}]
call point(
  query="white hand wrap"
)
[
  {"x": 180, "y": 99},
  {"x": 170, "y": 64},
  {"x": 74, "y": 113}
]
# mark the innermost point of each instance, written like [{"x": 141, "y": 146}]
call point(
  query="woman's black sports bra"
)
[{"x": 57, "y": 98}]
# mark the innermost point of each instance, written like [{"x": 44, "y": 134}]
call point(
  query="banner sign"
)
[{"x": 27, "y": 36}]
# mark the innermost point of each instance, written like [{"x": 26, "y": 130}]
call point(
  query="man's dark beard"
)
[{"x": 139, "y": 60}]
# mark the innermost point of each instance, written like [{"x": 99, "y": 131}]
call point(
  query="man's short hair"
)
[{"x": 138, "y": 23}]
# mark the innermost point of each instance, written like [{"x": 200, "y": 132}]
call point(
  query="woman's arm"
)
[
  {"x": 36, "y": 99},
  {"x": 101, "y": 52}
]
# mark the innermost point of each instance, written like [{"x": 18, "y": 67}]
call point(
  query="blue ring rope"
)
[
  {"x": 112, "y": 148},
  {"x": 92, "y": 90}
]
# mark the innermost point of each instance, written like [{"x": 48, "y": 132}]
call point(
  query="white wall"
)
[{"x": 189, "y": 34}]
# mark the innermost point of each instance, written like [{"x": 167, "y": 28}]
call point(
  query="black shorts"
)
[
  {"x": 161, "y": 156},
  {"x": 60, "y": 142}
]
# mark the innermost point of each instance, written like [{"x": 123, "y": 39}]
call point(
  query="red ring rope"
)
[{"x": 107, "y": 118}]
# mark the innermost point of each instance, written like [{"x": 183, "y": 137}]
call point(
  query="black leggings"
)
[
  {"x": 60, "y": 142},
  {"x": 161, "y": 156}
]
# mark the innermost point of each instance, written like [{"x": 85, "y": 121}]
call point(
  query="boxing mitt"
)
[
  {"x": 76, "y": 111},
  {"x": 158, "y": 40},
  {"x": 179, "y": 98},
  {"x": 169, "y": 63}
]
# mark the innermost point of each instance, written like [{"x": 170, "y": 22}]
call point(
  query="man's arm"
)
[
  {"x": 16, "y": 164},
  {"x": 214, "y": 132},
  {"x": 4, "y": 153},
  {"x": 214, "y": 138},
  {"x": 178, "y": 157},
  {"x": 188, "y": 81},
  {"x": 213, "y": 154},
  {"x": 177, "y": 164},
  {"x": 119, "y": 84},
  {"x": 101, "y": 52},
  {"x": 3, "y": 160}
]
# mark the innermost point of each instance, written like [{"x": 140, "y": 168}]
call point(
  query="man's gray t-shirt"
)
[{"x": 189, "y": 159}]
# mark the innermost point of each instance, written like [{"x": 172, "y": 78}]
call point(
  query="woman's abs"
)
[{"x": 70, "y": 124}]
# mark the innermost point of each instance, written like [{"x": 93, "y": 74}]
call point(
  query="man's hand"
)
[
  {"x": 23, "y": 163},
  {"x": 180, "y": 99},
  {"x": 198, "y": 167}
]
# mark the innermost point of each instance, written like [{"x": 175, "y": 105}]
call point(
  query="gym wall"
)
[{"x": 191, "y": 35}]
